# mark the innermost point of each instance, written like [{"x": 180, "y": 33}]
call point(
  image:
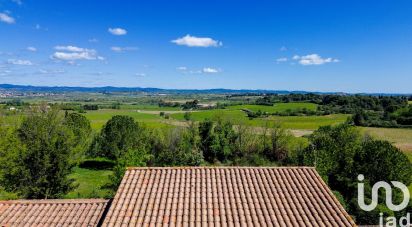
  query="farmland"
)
[
  {"x": 91, "y": 182},
  {"x": 278, "y": 107},
  {"x": 402, "y": 138},
  {"x": 99, "y": 117},
  {"x": 288, "y": 122}
]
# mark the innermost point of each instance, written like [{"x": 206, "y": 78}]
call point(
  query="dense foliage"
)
[
  {"x": 37, "y": 157},
  {"x": 39, "y": 154},
  {"x": 340, "y": 154},
  {"x": 367, "y": 110}
]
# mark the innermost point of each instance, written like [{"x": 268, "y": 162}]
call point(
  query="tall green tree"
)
[
  {"x": 82, "y": 132},
  {"x": 206, "y": 135},
  {"x": 125, "y": 141},
  {"x": 224, "y": 141},
  {"x": 39, "y": 167},
  {"x": 118, "y": 135}
]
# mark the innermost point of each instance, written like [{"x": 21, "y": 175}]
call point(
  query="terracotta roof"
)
[
  {"x": 225, "y": 196},
  {"x": 63, "y": 212}
]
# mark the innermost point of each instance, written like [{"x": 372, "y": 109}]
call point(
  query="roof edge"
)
[
  {"x": 221, "y": 167},
  {"x": 53, "y": 201}
]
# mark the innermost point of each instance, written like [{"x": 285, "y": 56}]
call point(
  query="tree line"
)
[{"x": 366, "y": 110}]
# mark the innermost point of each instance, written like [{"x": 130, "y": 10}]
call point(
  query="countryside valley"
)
[{"x": 94, "y": 135}]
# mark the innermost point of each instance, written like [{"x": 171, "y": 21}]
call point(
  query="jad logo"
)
[{"x": 390, "y": 221}]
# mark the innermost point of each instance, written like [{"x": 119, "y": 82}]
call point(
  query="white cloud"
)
[
  {"x": 32, "y": 49},
  {"x": 93, "y": 40},
  {"x": 182, "y": 68},
  {"x": 192, "y": 41},
  {"x": 140, "y": 74},
  {"x": 5, "y": 72},
  {"x": 123, "y": 49},
  {"x": 282, "y": 60},
  {"x": 73, "y": 53},
  {"x": 72, "y": 49},
  {"x": 313, "y": 59},
  {"x": 18, "y": 2},
  {"x": 283, "y": 48},
  {"x": 210, "y": 70},
  {"x": 73, "y": 56},
  {"x": 186, "y": 70},
  {"x": 19, "y": 62},
  {"x": 7, "y": 19},
  {"x": 56, "y": 71},
  {"x": 117, "y": 31}
]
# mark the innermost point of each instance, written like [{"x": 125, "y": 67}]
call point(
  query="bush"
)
[
  {"x": 187, "y": 116},
  {"x": 177, "y": 147}
]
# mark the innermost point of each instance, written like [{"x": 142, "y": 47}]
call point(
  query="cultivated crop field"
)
[{"x": 279, "y": 107}]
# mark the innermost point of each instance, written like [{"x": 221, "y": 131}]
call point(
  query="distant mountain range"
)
[{"x": 110, "y": 89}]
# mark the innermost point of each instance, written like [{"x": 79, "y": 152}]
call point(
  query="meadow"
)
[
  {"x": 278, "y": 107},
  {"x": 288, "y": 122},
  {"x": 401, "y": 138},
  {"x": 99, "y": 117}
]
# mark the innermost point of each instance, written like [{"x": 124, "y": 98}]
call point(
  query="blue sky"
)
[{"x": 350, "y": 46}]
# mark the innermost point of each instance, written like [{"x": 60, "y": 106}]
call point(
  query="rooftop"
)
[
  {"x": 225, "y": 196},
  {"x": 64, "y": 212}
]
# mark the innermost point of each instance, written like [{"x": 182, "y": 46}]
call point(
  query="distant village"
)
[{"x": 12, "y": 94}]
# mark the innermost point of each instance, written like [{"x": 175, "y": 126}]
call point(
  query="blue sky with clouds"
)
[{"x": 351, "y": 46}]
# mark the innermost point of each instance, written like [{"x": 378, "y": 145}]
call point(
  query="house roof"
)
[
  {"x": 225, "y": 196},
  {"x": 64, "y": 212}
]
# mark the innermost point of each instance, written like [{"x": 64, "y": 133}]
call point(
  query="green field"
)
[
  {"x": 279, "y": 107},
  {"x": 289, "y": 122},
  {"x": 99, "y": 117},
  {"x": 147, "y": 107},
  {"x": 402, "y": 138}
]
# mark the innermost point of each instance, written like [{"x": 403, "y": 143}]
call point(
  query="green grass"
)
[
  {"x": 89, "y": 183},
  {"x": 290, "y": 122},
  {"x": 99, "y": 117},
  {"x": 309, "y": 122},
  {"x": 410, "y": 102},
  {"x": 279, "y": 107},
  {"x": 401, "y": 137},
  {"x": 147, "y": 107}
]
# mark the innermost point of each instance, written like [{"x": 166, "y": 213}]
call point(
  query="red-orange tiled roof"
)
[
  {"x": 225, "y": 196},
  {"x": 63, "y": 212}
]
